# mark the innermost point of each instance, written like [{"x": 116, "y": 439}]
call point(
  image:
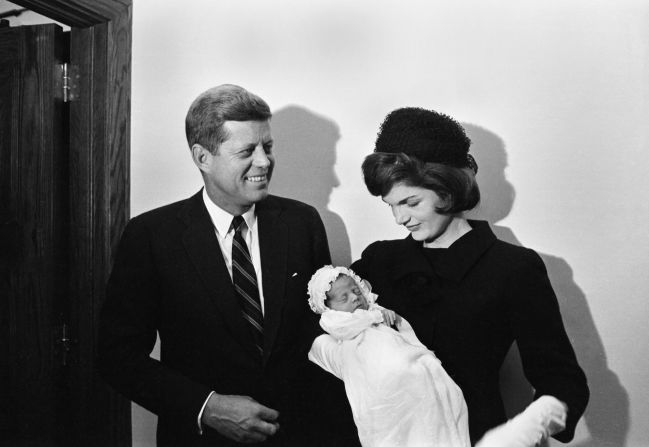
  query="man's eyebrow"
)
[
  {"x": 245, "y": 148},
  {"x": 250, "y": 146}
]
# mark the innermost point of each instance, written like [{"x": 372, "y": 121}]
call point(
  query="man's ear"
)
[{"x": 201, "y": 156}]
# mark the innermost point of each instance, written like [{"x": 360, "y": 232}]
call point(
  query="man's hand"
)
[
  {"x": 390, "y": 317},
  {"x": 240, "y": 418}
]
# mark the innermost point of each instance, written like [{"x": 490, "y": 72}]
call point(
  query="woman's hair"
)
[
  {"x": 424, "y": 148},
  {"x": 212, "y": 108},
  {"x": 456, "y": 187},
  {"x": 426, "y": 134}
]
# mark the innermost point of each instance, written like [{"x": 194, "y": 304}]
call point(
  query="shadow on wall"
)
[
  {"x": 305, "y": 156},
  {"x": 607, "y": 414}
]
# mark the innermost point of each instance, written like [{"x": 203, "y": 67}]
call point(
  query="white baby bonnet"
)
[{"x": 321, "y": 281}]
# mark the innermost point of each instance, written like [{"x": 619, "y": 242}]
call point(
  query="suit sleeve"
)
[
  {"x": 321, "y": 252},
  {"x": 127, "y": 335},
  {"x": 320, "y": 257},
  {"x": 547, "y": 355},
  {"x": 323, "y": 393}
]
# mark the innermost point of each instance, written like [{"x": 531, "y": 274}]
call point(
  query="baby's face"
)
[{"x": 345, "y": 295}]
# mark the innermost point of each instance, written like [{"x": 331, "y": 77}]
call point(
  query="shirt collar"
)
[{"x": 222, "y": 219}]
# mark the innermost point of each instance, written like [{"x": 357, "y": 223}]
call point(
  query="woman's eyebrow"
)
[{"x": 405, "y": 200}]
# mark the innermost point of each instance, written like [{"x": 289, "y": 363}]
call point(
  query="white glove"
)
[{"x": 540, "y": 420}]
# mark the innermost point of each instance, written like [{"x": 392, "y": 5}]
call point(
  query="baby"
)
[{"x": 398, "y": 391}]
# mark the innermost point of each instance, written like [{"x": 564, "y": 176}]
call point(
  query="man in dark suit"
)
[{"x": 222, "y": 278}]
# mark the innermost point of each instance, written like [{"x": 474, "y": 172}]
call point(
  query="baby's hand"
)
[{"x": 390, "y": 317}]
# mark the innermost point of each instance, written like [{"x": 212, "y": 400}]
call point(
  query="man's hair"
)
[
  {"x": 456, "y": 187},
  {"x": 212, "y": 108}
]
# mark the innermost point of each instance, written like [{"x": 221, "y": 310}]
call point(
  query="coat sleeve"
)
[
  {"x": 362, "y": 266},
  {"x": 127, "y": 334},
  {"x": 548, "y": 359}
]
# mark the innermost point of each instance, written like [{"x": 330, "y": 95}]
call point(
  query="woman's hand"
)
[{"x": 390, "y": 317}]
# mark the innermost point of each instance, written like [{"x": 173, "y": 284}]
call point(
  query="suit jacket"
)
[
  {"x": 468, "y": 304},
  {"x": 170, "y": 278}
]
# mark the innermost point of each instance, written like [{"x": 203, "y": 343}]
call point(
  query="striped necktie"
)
[{"x": 245, "y": 284}]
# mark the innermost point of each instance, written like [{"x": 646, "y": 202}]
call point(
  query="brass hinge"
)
[
  {"x": 64, "y": 344},
  {"x": 69, "y": 82}
]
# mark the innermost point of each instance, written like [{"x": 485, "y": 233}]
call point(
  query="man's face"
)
[
  {"x": 345, "y": 295},
  {"x": 237, "y": 176}
]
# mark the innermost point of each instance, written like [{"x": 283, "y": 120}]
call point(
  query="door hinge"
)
[
  {"x": 65, "y": 343},
  {"x": 68, "y": 82}
]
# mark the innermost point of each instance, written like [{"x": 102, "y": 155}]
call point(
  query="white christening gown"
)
[{"x": 398, "y": 391}]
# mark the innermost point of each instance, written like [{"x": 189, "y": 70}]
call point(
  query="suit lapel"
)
[
  {"x": 204, "y": 251},
  {"x": 273, "y": 246}
]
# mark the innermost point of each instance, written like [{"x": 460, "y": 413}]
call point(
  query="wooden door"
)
[
  {"x": 72, "y": 260},
  {"x": 34, "y": 274}
]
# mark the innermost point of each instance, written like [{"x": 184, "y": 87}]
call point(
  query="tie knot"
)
[{"x": 236, "y": 223}]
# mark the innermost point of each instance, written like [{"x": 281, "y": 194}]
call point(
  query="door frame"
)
[{"x": 100, "y": 122}]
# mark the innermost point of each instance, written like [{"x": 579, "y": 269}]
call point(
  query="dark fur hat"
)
[{"x": 425, "y": 134}]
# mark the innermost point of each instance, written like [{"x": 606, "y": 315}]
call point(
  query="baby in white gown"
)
[{"x": 398, "y": 391}]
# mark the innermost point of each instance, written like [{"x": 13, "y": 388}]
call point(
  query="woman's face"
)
[{"x": 414, "y": 208}]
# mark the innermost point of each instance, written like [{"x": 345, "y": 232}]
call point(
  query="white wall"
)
[{"x": 554, "y": 93}]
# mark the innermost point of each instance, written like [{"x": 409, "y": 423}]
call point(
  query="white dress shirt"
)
[{"x": 222, "y": 221}]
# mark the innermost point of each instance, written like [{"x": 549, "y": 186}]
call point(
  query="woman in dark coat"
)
[{"x": 468, "y": 295}]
